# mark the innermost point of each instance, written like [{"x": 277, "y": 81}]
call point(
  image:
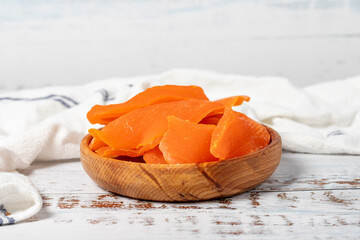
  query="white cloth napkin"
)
[
  {"x": 48, "y": 123},
  {"x": 19, "y": 199}
]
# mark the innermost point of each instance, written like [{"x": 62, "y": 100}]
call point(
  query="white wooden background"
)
[
  {"x": 308, "y": 197},
  {"x": 75, "y": 41}
]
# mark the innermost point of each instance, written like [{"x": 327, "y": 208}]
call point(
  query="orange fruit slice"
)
[
  {"x": 154, "y": 156},
  {"x": 237, "y": 135},
  {"x": 214, "y": 119},
  {"x": 96, "y": 144},
  {"x": 112, "y": 153},
  {"x": 155, "y": 95},
  {"x": 144, "y": 127},
  {"x": 233, "y": 101},
  {"x": 187, "y": 142}
]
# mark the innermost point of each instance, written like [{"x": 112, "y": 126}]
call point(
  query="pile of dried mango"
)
[{"x": 175, "y": 125}]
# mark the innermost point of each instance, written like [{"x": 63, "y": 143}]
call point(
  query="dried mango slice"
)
[
  {"x": 187, "y": 142},
  {"x": 144, "y": 127},
  {"x": 237, "y": 135},
  {"x": 155, "y": 95},
  {"x": 154, "y": 156},
  {"x": 214, "y": 119},
  {"x": 96, "y": 143},
  {"x": 228, "y": 102},
  {"x": 103, "y": 150},
  {"x": 107, "y": 151},
  {"x": 233, "y": 101}
]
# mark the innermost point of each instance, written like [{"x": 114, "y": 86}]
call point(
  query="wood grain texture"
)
[
  {"x": 182, "y": 182},
  {"x": 296, "y": 172},
  {"x": 317, "y": 214},
  {"x": 308, "y": 197}
]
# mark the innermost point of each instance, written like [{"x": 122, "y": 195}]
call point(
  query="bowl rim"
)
[{"x": 275, "y": 139}]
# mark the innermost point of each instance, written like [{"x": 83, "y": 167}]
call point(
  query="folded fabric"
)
[
  {"x": 19, "y": 199},
  {"x": 49, "y": 123}
]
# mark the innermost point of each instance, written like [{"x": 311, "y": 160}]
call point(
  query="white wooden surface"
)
[
  {"x": 308, "y": 197},
  {"x": 66, "y": 42}
]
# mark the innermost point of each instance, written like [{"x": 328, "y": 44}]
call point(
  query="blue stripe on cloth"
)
[
  {"x": 11, "y": 220},
  {"x": 64, "y": 100},
  {"x": 69, "y": 99},
  {"x": 335, "y": 133},
  {"x": 3, "y": 210},
  {"x": 105, "y": 94}
]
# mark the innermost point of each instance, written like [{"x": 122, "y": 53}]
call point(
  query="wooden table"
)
[{"x": 308, "y": 197}]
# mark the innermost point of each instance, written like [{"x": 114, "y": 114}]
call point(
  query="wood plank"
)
[
  {"x": 308, "y": 172},
  {"x": 295, "y": 172},
  {"x": 308, "y": 197},
  {"x": 268, "y": 215}
]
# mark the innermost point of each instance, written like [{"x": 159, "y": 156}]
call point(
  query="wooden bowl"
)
[{"x": 182, "y": 182}]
